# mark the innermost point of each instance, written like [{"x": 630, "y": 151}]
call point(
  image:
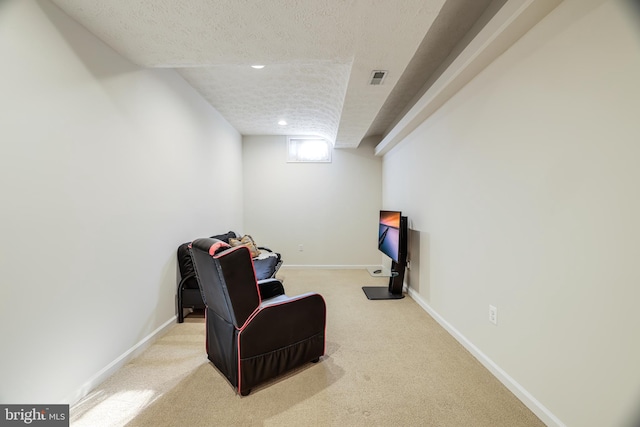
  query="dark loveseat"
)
[{"x": 189, "y": 295}]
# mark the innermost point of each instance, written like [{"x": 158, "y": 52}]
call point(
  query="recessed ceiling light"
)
[
  {"x": 257, "y": 67},
  {"x": 282, "y": 122}
]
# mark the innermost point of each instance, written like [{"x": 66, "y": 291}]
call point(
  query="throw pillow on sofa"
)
[{"x": 247, "y": 241}]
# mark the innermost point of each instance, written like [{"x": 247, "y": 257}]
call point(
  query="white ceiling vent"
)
[{"x": 377, "y": 77}]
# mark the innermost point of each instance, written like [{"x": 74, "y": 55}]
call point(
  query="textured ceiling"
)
[{"x": 319, "y": 55}]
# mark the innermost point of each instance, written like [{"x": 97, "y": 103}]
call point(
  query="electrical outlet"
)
[
  {"x": 300, "y": 248},
  {"x": 493, "y": 315}
]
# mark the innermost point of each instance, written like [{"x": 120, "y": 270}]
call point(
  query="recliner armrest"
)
[
  {"x": 281, "y": 321},
  {"x": 270, "y": 288}
]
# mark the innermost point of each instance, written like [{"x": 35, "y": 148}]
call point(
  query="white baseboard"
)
[
  {"x": 112, "y": 367},
  {"x": 329, "y": 267},
  {"x": 531, "y": 402}
]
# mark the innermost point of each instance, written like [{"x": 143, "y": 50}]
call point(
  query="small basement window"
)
[{"x": 308, "y": 149}]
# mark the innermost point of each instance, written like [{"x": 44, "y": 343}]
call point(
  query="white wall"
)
[
  {"x": 105, "y": 168},
  {"x": 331, "y": 209},
  {"x": 524, "y": 187}
]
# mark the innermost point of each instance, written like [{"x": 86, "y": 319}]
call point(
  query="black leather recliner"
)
[
  {"x": 251, "y": 340},
  {"x": 188, "y": 293}
]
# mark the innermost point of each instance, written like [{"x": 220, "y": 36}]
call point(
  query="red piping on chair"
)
[
  {"x": 206, "y": 332},
  {"x": 216, "y": 246}
]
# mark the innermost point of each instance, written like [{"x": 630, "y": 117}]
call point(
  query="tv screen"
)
[{"x": 389, "y": 234}]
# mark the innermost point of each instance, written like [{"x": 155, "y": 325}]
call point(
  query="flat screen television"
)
[
  {"x": 392, "y": 241},
  {"x": 390, "y": 236}
]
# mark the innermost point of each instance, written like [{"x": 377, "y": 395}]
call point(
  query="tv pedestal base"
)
[
  {"x": 380, "y": 292},
  {"x": 393, "y": 291}
]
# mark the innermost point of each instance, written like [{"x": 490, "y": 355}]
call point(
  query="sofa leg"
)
[{"x": 180, "y": 309}]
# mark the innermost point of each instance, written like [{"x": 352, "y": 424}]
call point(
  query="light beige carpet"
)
[{"x": 388, "y": 363}]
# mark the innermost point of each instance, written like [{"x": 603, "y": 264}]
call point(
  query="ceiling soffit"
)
[{"x": 319, "y": 55}]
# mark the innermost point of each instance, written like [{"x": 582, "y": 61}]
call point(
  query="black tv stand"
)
[{"x": 394, "y": 290}]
